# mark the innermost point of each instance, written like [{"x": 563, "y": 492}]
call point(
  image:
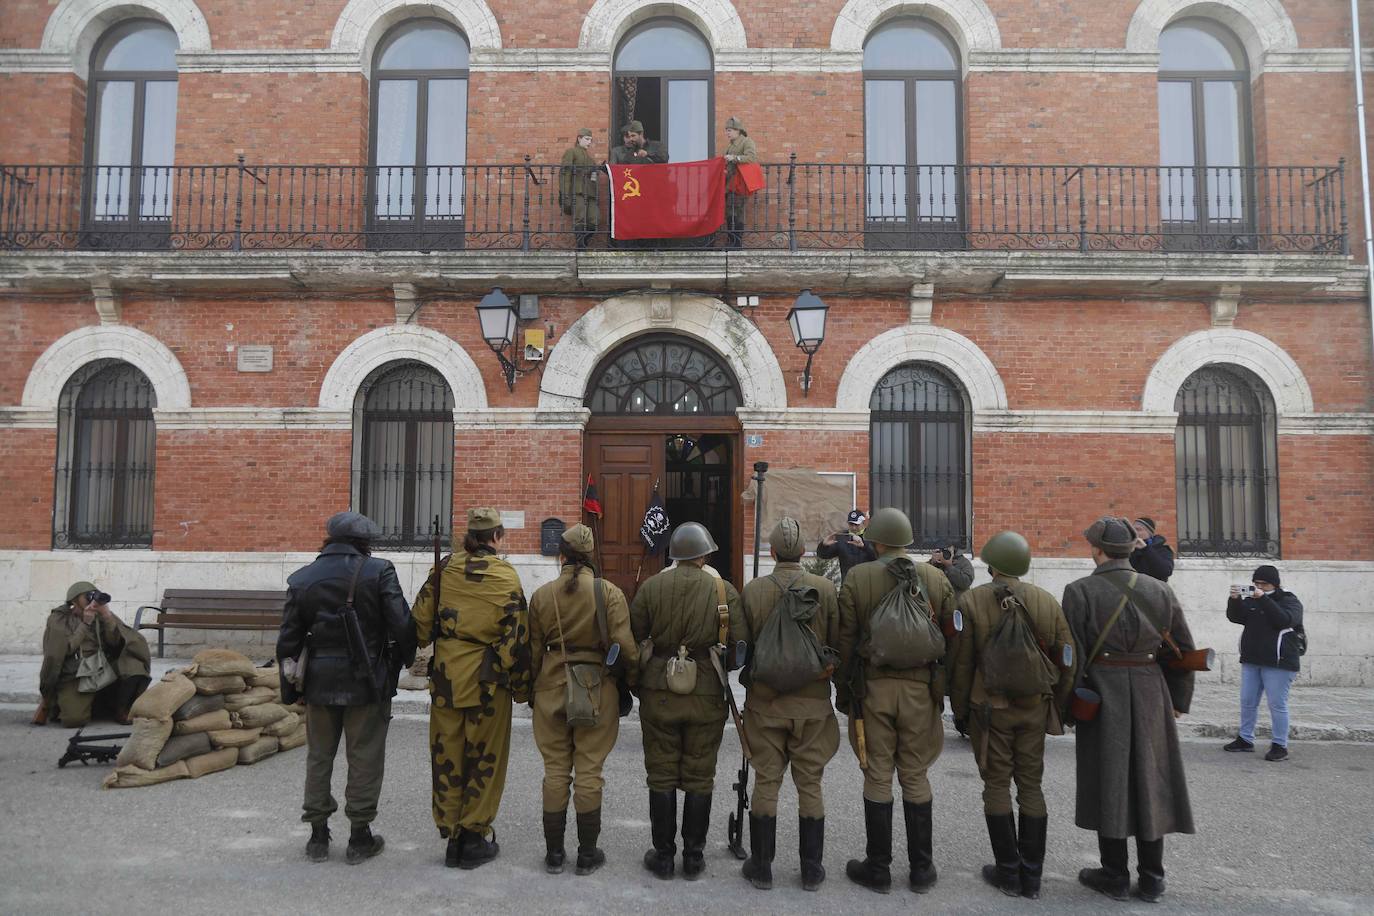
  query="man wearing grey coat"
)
[{"x": 1130, "y": 768}]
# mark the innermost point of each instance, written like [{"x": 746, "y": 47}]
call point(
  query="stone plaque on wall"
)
[{"x": 255, "y": 359}]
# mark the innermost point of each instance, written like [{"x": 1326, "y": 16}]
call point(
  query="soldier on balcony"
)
[{"x": 577, "y": 188}]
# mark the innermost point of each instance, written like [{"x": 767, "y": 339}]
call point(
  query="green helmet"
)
[
  {"x": 1008, "y": 553},
  {"x": 890, "y": 527},
  {"x": 689, "y": 541}
]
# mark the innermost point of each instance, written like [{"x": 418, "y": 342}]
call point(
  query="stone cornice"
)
[
  {"x": 1064, "y": 60},
  {"x": 267, "y": 60}
]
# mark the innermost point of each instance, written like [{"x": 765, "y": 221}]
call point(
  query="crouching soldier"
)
[
  {"x": 1010, "y": 677},
  {"x": 84, "y": 643},
  {"x": 791, "y": 618},
  {"x": 574, "y": 622},
  {"x": 678, "y": 616},
  {"x": 892, "y": 648}
]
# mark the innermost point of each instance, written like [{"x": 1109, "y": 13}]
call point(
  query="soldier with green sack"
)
[
  {"x": 574, "y": 621},
  {"x": 792, "y": 620},
  {"x": 892, "y": 647},
  {"x": 577, "y": 183},
  {"x": 678, "y": 616},
  {"x": 481, "y": 665},
  {"x": 1010, "y": 678}
]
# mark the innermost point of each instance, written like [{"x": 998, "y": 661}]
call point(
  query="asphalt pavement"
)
[{"x": 1273, "y": 838}]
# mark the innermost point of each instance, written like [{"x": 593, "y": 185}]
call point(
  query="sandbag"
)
[
  {"x": 212, "y": 762},
  {"x": 261, "y": 715},
  {"x": 226, "y": 684},
  {"x": 207, "y": 722},
  {"x": 295, "y": 739},
  {"x": 283, "y": 726},
  {"x": 163, "y": 699},
  {"x": 265, "y": 677},
  {"x": 223, "y": 663},
  {"x": 234, "y": 737},
  {"x": 263, "y": 747},
  {"x": 253, "y": 696},
  {"x": 183, "y": 746},
  {"x": 145, "y": 743},
  {"x": 198, "y": 706},
  {"x": 128, "y": 777}
]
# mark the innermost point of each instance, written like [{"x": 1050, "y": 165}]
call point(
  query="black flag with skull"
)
[{"x": 653, "y": 531}]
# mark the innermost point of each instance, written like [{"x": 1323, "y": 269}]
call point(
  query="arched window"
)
[
  {"x": 403, "y": 453},
  {"x": 131, "y": 124},
  {"x": 919, "y": 429},
  {"x": 911, "y": 134},
  {"x": 663, "y": 77},
  {"x": 663, "y": 375},
  {"x": 419, "y": 126},
  {"x": 1204, "y": 132},
  {"x": 1226, "y": 460},
  {"x": 106, "y": 445}
]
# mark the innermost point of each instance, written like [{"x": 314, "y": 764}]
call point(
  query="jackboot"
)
[
  {"x": 811, "y": 839},
  {"x": 317, "y": 847},
  {"x": 1006, "y": 874},
  {"x": 1030, "y": 839},
  {"x": 663, "y": 824},
  {"x": 919, "y": 837},
  {"x": 477, "y": 849},
  {"x": 453, "y": 852},
  {"x": 589, "y": 857},
  {"x": 555, "y": 825},
  {"x": 875, "y": 871},
  {"x": 1150, "y": 868},
  {"x": 696, "y": 819},
  {"x": 362, "y": 844},
  {"x": 763, "y": 837},
  {"x": 1114, "y": 877}
]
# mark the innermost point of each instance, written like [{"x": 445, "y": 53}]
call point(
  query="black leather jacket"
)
[{"x": 315, "y": 594}]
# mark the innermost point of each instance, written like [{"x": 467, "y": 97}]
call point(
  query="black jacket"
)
[
  {"x": 848, "y": 554},
  {"x": 314, "y": 595},
  {"x": 1269, "y": 621},
  {"x": 1155, "y": 559}
]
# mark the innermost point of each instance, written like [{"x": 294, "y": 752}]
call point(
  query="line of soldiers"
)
[{"x": 579, "y": 649}]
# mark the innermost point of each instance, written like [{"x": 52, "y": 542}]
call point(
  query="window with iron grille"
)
[
  {"x": 920, "y": 424},
  {"x": 106, "y": 444},
  {"x": 403, "y": 453},
  {"x": 1226, "y": 459},
  {"x": 663, "y": 375}
]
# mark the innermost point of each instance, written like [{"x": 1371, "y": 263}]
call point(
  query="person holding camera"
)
[
  {"x": 82, "y": 636},
  {"x": 1151, "y": 554},
  {"x": 1270, "y": 645},
  {"x": 958, "y": 569},
  {"x": 849, "y": 547}
]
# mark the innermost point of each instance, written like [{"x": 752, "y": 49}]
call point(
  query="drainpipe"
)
[{"x": 1364, "y": 153}]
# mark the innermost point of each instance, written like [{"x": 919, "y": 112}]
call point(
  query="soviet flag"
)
[{"x": 669, "y": 201}]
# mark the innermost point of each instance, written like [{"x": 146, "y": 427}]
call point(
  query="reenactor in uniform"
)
[
  {"x": 634, "y": 149},
  {"x": 577, "y": 187},
  {"x": 677, "y": 610},
  {"x": 481, "y": 666},
  {"x": 571, "y": 625},
  {"x": 77, "y": 629},
  {"x": 740, "y": 149},
  {"x": 900, "y": 711},
  {"x": 797, "y": 728},
  {"x": 1130, "y": 768},
  {"x": 1009, "y": 731}
]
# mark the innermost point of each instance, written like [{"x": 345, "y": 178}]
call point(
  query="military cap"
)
[
  {"x": 352, "y": 525},
  {"x": 1113, "y": 536},
  {"x": 633, "y": 127},
  {"x": 736, "y": 124},
  {"x": 579, "y": 538},
  {"x": 786, "y": 539},
  {"x": 79, "y": 588},
  {"x": 483, "y": 518},
  {"x": 584, "y": 131}
]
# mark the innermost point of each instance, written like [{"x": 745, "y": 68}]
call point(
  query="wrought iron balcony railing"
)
[{"x": 804, "y": 206}]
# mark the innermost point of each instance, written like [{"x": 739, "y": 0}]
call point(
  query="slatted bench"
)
[{"x": 213, "y": 609}]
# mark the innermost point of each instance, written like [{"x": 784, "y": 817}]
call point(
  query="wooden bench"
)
[{"x": 213, "y": 609}]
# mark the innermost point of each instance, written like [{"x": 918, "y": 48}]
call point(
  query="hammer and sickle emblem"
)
[{"x": 630, "y": 187}]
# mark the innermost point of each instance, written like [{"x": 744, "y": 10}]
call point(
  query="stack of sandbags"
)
[{"x": 137, "y": 764}]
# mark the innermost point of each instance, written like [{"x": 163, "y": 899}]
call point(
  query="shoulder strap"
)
[
  {"x": 1111, "y": 622},
  {"x": 353, "y": 583},
  {"x": 1128, "y": 590},
  {"x": 722, "y": 612},
  {"x": 599, "y": 590}
]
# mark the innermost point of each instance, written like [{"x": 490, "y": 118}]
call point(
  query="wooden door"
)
[{"x": 624, "y": 466}]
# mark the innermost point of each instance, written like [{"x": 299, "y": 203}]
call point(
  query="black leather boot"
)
[
  {"x": 875, "y": 871},
  {"x": 453, "y": 852},
  {"x": 763, "y": 837},
  {"x": 919, "y": 837},
  {"x": 1006, "y": 874},
  {"x": 555, "y": 825},
  {"x": 477, "y": 849},
  {"x": 589, "y": 856},
  {"x": 1030, "y": 839},
  {"x": 1150, "y": 868},
  {"x": 362, "y": 844},
  {"x": 317, "y": 847},
  {"x": 1113, "y": 878},
  {"x": 663, "y": 824},
  {"x": 811, "y": 839},
  {"x": 696, "y": 819}
]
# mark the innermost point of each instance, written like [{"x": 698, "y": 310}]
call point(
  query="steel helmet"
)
[
  {"x": 1008, "y": 553},
  {"x": 890, "y": 527},
  {"x": 689, "y": 541}
]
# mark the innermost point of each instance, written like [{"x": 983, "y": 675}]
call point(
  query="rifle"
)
[
  {"x": 857, "y": 690},
  {"x": 92, "y": 747},
  {"x": 735, "y": 825},
  {"x": 40, "y": 715},
  {"x": 438, "y": 585}
]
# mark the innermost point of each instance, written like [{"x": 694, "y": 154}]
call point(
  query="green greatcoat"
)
[
  {"x": 747, "y": 151},
  {"x": 577, "y": 185},
  {"x": 67, "y": 639}
]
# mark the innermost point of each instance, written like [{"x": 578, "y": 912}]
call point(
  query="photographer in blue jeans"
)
[{"x": 1269, "y": 654}]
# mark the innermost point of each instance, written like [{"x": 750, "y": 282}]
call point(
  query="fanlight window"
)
[{"x": 659, "y": 375}]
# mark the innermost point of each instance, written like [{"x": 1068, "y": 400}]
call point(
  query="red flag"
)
[
  {"x": 670, "y": 201},
  {"x": 748, "y": 179},
  {"x": 590, "y": 502}
]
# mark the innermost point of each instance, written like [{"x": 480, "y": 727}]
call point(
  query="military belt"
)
[
  {"x": 1125, "y": 659},
  {"x": 557, "y": 647},
  {"x": 701, "y": 655}
]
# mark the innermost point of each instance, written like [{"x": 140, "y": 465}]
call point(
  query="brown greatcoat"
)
[
  {"x": 1130, "y": 768},
  {"x": 66, "y": 639}
]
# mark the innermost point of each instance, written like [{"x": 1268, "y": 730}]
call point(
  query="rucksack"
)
[
  {"x": 1012, "y": 663},
  {"x": 902, "y": 632},
  {"x": 787, "y": 654}
]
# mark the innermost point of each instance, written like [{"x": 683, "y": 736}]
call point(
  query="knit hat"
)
[
  {"x": 786, "y": 540},
  {"x": 584, "y": 131},
  {"x": 483, "y": 519},
  {"x": 81, "y": 588},
  {"x": 1147, "y": 522},
  {"x": 1266, "y": 573},
  {"x": 579, "y": 538},
  {"x": 1113, "y": 536}
]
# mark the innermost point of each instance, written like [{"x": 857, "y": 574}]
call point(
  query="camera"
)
[
  {"x": 95, "y": 596},
  {"x": 1246, "y": 591},
  {"x": 947, "y": 552}
]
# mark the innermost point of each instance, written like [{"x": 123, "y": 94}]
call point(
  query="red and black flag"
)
[
  {"x": 653, "y": 531},
  {"x": 590, "y": 501}
]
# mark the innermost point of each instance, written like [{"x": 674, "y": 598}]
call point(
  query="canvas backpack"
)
[
  {"x": 787, "y": 655},
  {"x": 902, "y": 632},
  {"x": 1012, "y": 663}
]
